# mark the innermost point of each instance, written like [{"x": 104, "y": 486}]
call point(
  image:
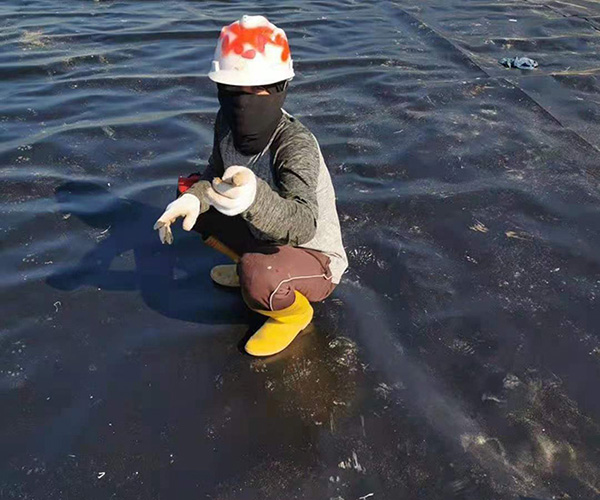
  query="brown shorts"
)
[{"x": 269, "y": 274}]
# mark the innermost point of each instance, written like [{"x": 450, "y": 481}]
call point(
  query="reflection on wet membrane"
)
[
  {"x": 544, "y": 425},
  {"x": 315, "y": 378}
]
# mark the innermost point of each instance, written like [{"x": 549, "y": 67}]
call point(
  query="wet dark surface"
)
[{"x": 459, "y": 358}]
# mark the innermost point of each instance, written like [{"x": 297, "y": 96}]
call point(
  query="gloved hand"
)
[
  {"x": 235, "y": 193},
  {"x": 187, "y": 206}
]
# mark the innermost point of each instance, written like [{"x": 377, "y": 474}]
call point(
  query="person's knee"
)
[{"x": 262, "y": 282}]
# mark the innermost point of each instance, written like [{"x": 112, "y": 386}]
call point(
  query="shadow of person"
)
[{"x": 172, "y": 280}]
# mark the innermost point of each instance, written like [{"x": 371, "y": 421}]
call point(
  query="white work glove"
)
[
  {"x": 235, "y": 193},
  {"x": 187, "y": 206}
]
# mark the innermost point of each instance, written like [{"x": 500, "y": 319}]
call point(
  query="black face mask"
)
[{"x": 252, "y": 118}]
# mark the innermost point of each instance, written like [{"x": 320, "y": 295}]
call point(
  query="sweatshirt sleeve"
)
[{"x": 288, "y": 215}]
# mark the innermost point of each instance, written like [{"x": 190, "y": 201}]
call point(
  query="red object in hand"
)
[{"x": 184, "y": 183}]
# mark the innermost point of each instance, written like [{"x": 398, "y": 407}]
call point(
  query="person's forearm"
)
[
  {"x": 284, "y": 221},
  {"x": 199, "y": 191},
  {"x": 289, "y": 214}
]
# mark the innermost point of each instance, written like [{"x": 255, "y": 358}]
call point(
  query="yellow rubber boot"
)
[
  {"x": 281, "y": 328},
  {"x": 225, "y": 275}
]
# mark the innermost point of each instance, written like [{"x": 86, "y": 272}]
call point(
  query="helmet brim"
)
[{"x": 233, "y": 77}]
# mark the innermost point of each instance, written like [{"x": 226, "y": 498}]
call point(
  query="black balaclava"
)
[{"x": 252, "y": 118}]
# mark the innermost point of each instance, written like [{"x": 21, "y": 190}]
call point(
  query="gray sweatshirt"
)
[{"x": 295, "y": 199}]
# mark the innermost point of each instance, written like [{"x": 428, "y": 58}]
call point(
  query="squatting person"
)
[{"x": 266, "y": 198}]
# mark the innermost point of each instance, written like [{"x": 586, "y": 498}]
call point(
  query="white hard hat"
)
[{"x": 251, "y": 52}]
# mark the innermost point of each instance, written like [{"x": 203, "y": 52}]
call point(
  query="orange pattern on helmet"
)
[{"x": 255, "y": 37}]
